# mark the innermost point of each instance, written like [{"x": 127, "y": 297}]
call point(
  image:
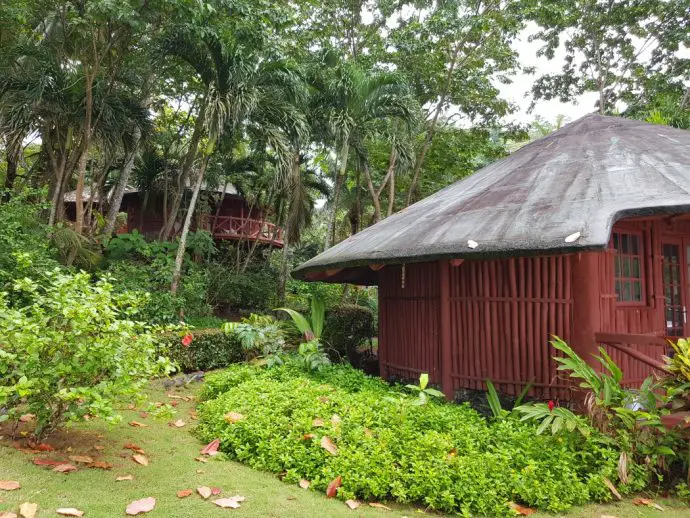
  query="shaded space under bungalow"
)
[{"x": 583, "y": 234}]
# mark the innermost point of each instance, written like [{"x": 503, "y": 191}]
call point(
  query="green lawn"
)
[{"x": 172, "y": 467}]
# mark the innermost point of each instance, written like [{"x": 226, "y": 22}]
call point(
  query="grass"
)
[{"x": 172, "y": 467}]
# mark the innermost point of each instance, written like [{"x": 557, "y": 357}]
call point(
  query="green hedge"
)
[
  {"x": 209, "y": 349},
  {"x": 442, "y": 456},
  {"x": 347, "y": 326}
]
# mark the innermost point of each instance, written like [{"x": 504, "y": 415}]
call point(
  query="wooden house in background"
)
[
  {"x": 222, "y": 211},
  {"x": 583, "y": 234}
]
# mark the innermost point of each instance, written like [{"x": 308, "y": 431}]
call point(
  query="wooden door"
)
[{"x": 675, "y": 286}]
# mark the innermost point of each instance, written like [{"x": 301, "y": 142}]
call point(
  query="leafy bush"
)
[
  {"x": 72, "y": 350},
  {"x": 208, "y": 349},
  {"x": 261, "y": 336},
  {"x": 252, "y": 289},
  {"x": 347, "y": 326},
  {"x": 440, "y": 455}
]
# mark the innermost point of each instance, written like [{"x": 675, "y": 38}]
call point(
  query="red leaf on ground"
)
[
  {"x": 304, "y": 484},
  {"x": 204, "y": 491},
  {"x": 133, "y": 447},
  {"x": 48, "y": 462},
  {"x": 44, "y": 447},
  {"x": 521, "y": 510},
  {"x": 184, "y": 493},
  {"x": 328, "y": 445},
  {"x": 27, "y": 418},
  {"x": 69, "y": 511},
  {"x": 332, "y": 489},
  {"x": 216, "y": 490},
  {"x": 144, "y": 505},
  {"x": 307, "y": 436},
  {"x": 9, "y": 485},
  {"x": 211, "y": 448},
  {"x": 65, "y": 468},
  {"x": 143, "y": 414},
  {"x": 187, "y": 339}
]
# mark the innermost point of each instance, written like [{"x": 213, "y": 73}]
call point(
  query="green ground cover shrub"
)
[
  {"x": 204, "y": 349},
  {"x": 440, "y": 455}
]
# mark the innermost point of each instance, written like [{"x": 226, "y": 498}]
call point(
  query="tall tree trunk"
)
[
  {"x": 391, "y": 190},
  {"x": 339, "y": 179},
  {"x": 184, "y": 174},
  {"x": 116, "y": 201},
  {"x": 86, "y": 141},
  {"x": 284, "y": 268},
  {"x": 432, "y": 127},
  {"x": 11, "y": 174},
  {"x": 179, "y": 258},
  {"x": 372, "y": 192}
]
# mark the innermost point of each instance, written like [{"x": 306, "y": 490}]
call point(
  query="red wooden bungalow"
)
[
  {"x": 226, "y": 214},
  {"x": 584, "y": 234}
]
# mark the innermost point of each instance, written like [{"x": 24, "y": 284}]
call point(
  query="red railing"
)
[{"x": 233, "y": 227}]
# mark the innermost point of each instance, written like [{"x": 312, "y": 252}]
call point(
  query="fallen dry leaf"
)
[
  {"x": 193, "y": 415},
  {"x": 28, "y": 510},
  {"x": 328, "y": 445},
  {"x": 368, "y": 432},
  {"x": 200, "y": 459},
  {"x": 184, "y": 493},
  {"x": 323, "y": 399},
  {"x": 231, "y": 503},
  {"x": 307, "y": 436},
  {"x": 379, "y": 506},
  {"x": 144, "y": 505},
  {"x": 648, "y": 502},
  {"x": 200, "y": 472},
  {"x": 27, "y": 418},
  {"x": 216, "y": 491},
  {"x": 70, "y": 511},
  {"x": 521, "y": 510},
  {"x": 48, "y": 462},
  {"x": 140, "y": 459},
  {"x": 138, "y": 424},
  {"x": 143, "y": 414},
  {"x": 44, "y": 447},
  {"x": 65, "y": 468},
  {"x": 211, "y": 448},
  {"x": 304, "y": 484},
  {"x": 332, "y": 488},
  {"x": 233, "y": 417},
  {"x": 173, "y": 396},
  {"x": 81, "y": 459},
  {"x": 608, "y": 516},
  {"x": 204, "y": 491},
  {"x": 133, "y": 447},
  {"x": 336, "y": 419},
  {"x": 178, "y": 424},
  {"x": 99, "y": 447},
  {"x": 352, "y": 504},
  {"x": 612, "y": 488},
  {"x": 7, "y": 514},
  {"x": 99, "y": 464},
  {"x": 317, "y": 423},
  {"x": 124, "y": 477}
]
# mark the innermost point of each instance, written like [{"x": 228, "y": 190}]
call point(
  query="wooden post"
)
[
  {"x": 446, "y": 353},
  {"x": 586, "y": 300}
]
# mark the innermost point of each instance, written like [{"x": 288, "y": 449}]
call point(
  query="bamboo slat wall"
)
[
  {"x": 409, "y": 321},
  {"x": 501, "y": 313}
]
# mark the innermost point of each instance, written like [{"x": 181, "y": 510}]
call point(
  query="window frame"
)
[{"x": 639, "y": 234}]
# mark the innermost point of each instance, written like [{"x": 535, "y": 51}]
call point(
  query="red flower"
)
[
  {"x": 551, "y": 405},
  {"x": 187, "y": 339}
]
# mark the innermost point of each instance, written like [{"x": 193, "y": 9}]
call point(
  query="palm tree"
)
[
  {"x": 349, "y": 101},
  {"x": 244, "y": 92}
]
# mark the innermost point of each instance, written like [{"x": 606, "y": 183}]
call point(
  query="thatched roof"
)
[{"x": 576, "y": 183}]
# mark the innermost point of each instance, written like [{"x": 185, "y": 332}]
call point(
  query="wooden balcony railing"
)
[{"x": 233, "y": 227}]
